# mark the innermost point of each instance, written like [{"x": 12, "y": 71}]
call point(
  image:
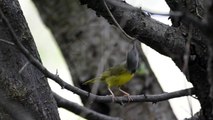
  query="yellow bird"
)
[{"x": 118, "y": 75}]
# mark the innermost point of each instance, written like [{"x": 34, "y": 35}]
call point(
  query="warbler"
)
[{"x": 118, "y": 75}]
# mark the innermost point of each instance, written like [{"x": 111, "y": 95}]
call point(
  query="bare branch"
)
[
  {"x": 82, "y": 111},
  {"x": 146, "y": 98}
]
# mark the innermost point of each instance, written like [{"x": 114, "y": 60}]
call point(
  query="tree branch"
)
[
  {"x": 82, "y": 111},
  {"x": 144, "y": 98},
  {"x": 163, "y": 38}
]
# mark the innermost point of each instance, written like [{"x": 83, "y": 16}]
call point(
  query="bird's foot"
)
[
  {"x": 126, "y": 94},
  {"x": 129, "y": 98}
]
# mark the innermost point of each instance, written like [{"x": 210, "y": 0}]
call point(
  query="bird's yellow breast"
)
[{"x": 119, "y": 80}]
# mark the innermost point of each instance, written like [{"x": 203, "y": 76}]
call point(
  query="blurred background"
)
[{"x": 169, "y": 76}]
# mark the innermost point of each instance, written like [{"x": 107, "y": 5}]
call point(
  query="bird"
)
[{"x": 120, "y": 74}]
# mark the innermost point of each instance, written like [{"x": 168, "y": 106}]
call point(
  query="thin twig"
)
[
  {"x": 6, "y": 41},
  {"x": 116, "y": 23},
  {"x": 25, "y": 65}
]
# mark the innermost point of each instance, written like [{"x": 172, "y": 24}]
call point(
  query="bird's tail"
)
[{"x": 91, "y": 81}]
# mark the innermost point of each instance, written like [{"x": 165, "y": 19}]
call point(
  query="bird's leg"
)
[
  {"x": 112, "y": 94},
  {"x": 126, "y": 94}
]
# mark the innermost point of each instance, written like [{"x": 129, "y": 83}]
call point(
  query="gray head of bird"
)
[{"x": 133, "y": 59}]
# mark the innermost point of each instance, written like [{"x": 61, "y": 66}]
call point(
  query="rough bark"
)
[
  {"x": 90, "y": 45},
  {"x": 28, "y": 92}
]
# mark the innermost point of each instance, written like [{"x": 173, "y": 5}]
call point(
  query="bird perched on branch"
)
[{"x": 118, "y": 75}]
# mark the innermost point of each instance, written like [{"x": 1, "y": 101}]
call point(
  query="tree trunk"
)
[
  {"x": 197, "y": 68},
  {"x": 25, "y": 93},
  {"x": 90, "y": 45}
]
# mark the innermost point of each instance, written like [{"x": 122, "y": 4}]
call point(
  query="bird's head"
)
[{"x": 133, "y": 58}]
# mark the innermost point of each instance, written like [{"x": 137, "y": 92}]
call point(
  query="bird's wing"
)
[
  {"x": 117, "y": 70},
  {"x": 105, "y": 75},
  {"x": 109, "y": 74}
]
